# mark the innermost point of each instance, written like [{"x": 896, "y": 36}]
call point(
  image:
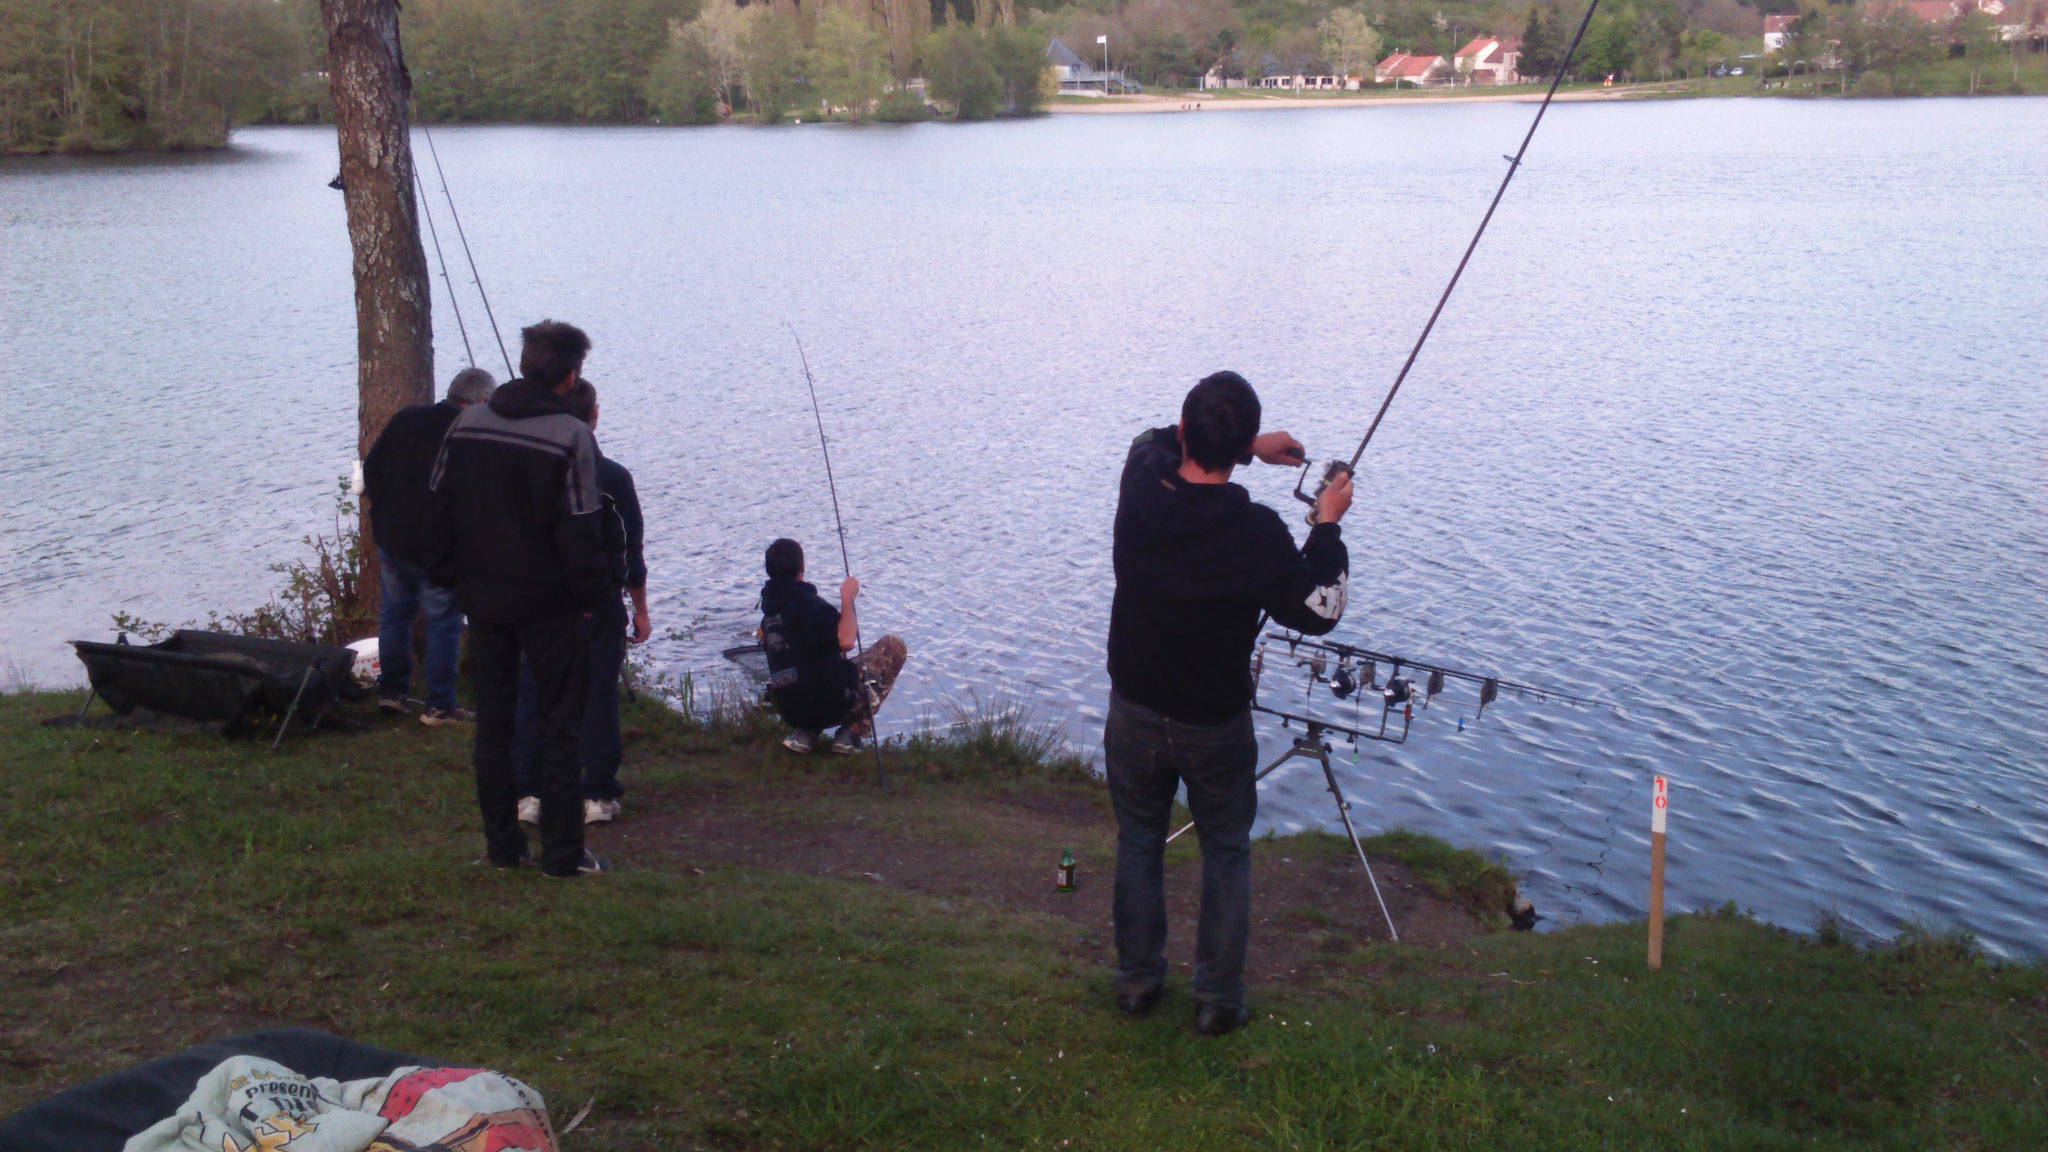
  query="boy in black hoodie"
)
[
  {"x": 1196, "y": 564},
  {"x": 518, "y": 531},
  {"x": 810, "y": 679}
]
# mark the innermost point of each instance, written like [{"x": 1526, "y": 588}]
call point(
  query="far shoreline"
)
[{"x": 1245, "y": 100}]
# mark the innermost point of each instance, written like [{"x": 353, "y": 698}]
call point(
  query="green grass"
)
[{"x": 160, "y": 888}]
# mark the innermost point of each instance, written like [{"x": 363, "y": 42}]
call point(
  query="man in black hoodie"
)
[
  {"x": 812, "y": 682},
  {"x": 395, "y": 478},
  {"x": 1197, "y": 563},
  {"x": 518, "y": 528}
]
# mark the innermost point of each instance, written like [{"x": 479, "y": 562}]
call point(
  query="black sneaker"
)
[
  {"x": 591, "y": 865},
  {"x": 1216, "y": 1020},
  {"x": 1137, "y": 1002}
]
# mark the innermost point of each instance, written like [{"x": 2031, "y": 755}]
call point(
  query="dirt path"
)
[{"x": 1001, "y": 852}]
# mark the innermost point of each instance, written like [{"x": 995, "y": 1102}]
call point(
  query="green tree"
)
[
  {"x": 1982, "y": 44},
  {"x": 848, "y": 62},
  {"x": 772, "y": 64},
  {"x": 1018, "y": 55},
  {"x": 1349, "y": 41},
  {"x": 1543, "y": 40},
  {"x": 682, "y": 85},
  {"x": 958, "y": 71}
]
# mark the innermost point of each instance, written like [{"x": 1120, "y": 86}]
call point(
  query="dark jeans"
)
[
  {"x": 1147, "y": 756},
  {"x": 599, "y": 748},
  {"x": 406, "y": 590},
  {"x": 557, "y": 651}
]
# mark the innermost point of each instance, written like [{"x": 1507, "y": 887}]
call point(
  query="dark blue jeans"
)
[
  {"x": 406, "y": 591},
  {"x": 1147, "y": 756},
  {"x": 598, "y": 743}
]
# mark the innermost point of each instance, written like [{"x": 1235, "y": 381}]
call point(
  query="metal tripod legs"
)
[{"x": 1311, "y": 747}]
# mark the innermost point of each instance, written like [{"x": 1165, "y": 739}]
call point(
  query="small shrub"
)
[{"x": 902, "y": 106}]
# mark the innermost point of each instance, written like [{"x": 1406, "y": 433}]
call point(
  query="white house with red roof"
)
[
  {"x": 1412, "y": 68},
  {"x": 1776, "y": 29},
  {"x": 1489, "y": 60}
]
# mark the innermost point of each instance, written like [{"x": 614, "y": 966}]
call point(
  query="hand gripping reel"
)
[{"x": 1331, "y": 471}]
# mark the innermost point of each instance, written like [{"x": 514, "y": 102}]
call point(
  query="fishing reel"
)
[{"x": 1331, "y": 471}]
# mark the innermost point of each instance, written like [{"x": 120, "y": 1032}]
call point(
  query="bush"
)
[{"x": 902, "y": 106}]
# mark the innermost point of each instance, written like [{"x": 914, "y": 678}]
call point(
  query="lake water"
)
[{"x": 1737, "y": 423}]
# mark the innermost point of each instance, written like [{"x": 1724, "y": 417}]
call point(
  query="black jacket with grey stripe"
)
[
  {"x": 517, "y": 523},
  {"x": 1195, "y": 566}
]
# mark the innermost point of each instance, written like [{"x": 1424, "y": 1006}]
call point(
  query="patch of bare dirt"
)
[{"x": 1001, "y": 852}]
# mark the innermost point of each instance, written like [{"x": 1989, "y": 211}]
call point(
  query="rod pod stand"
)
[{"x": 1310, "y": 746}]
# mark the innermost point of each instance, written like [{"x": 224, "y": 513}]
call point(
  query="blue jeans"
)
[
  {"x": 599, "y": 746},
  {"x": 1146, "y": 757},
  {"x": 407, "y": 590}
]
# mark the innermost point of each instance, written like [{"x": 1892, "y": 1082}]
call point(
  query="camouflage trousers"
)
[{"x": 879, "y": 665}]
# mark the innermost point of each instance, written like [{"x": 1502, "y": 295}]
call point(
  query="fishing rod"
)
[
  {"x": 1331, "y": 471},
  {"x": 475, "y": 276},
  {"x": 435, "y": 233},
  {"x": 867, "y": 688}
]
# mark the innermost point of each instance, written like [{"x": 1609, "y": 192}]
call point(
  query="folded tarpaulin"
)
[{"x": 319, "y": 1092}]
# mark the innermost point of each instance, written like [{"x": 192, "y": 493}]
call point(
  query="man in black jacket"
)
[
  {"x": 395, "y": 477},
  {"x": 811, "y": 681},
  {"x": 1196, "y": 564},
  {"x": 602, "y": 748},
  {"x": 519, "y": 531}
]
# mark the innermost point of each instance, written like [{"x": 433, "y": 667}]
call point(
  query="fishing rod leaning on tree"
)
[{"x": 867, "y": 685}]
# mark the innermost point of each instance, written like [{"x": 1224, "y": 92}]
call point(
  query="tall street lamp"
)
[{"x": 1104, "y": 41}]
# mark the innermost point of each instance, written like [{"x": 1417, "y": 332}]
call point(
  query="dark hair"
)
[
  {"x": 1219, "y": 419},
  {"x": 552, "y": 350},
  {"x": 785, "y": 560},
  {"x": 582, "y": 401}
]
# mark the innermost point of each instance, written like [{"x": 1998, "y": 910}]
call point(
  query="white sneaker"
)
[
  {"x": 529, "y": 810},
  {"x": 801, "y": 741},
  {"x": 599, "y": 811}
]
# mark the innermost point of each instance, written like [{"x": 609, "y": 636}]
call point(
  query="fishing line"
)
[
  {"x": 475, "y": 276},
  {"x": 1514, "y": 165},
  {"x": 443, "y": 261},
  {"x": 874, "y": 705}
]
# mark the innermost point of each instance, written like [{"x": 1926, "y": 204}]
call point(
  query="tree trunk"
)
[{"x": 367, "y": 79}]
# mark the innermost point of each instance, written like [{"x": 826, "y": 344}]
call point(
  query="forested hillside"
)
[{"x": 113, "y": 74}]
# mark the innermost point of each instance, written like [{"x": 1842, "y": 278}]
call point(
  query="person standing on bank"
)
[
  {"x": 810, "y": 680},
  {"x": 1196, "y": 564},
  {"x": 601, "y": 746},
  {"x": 395, "y": 478},
  {"x": 518, "y": 524}
]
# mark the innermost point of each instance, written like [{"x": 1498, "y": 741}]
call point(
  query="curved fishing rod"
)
[
  {"x": 475, "y": 276},
  {"x": 1514, "y": 165},
  {"x": 874, "y": 705},
  {"x": 435, "y": 233}
]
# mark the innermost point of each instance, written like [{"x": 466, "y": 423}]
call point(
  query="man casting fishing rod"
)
[{"x": 1197, "y": 563}]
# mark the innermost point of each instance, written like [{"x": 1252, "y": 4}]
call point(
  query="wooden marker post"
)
[{"x": 1659, "y": 805}]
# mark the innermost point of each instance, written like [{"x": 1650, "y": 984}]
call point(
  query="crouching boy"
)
[{"x": 811, "y": 681}]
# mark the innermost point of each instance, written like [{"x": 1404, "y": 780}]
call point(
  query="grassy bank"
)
[{"x": 789, "y": 958}]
